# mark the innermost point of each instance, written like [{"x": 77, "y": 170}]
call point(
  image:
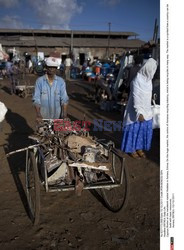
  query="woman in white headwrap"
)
[{"x": 137, "y": 122}]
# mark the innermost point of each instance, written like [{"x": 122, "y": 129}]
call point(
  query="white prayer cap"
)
[{"x": 52, "y": 62}]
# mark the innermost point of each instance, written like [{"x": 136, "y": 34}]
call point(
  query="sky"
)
[{"x": 124, "y": 15}]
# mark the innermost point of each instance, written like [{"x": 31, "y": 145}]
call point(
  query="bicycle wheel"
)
[
  {"x": 115, "y": 198},
  {"x": 33, "y": 188}
]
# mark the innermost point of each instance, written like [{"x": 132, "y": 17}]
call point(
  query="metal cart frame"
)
[{"x": 113, "y": 191}]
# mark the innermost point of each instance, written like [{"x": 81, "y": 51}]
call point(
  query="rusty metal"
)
[
  {"x": 22, "y": 149},
  {"x": 107, "y": 186},
  {"x": 85, "y": 158}
]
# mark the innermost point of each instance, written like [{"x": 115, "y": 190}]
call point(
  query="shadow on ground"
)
[{"x": 18, "y": 139}]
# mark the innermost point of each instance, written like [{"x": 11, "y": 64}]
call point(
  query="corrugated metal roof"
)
[
  {"x": 82, "y": 32},
  {"x": 77, "y": 42}
]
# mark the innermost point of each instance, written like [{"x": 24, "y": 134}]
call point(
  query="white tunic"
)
[{"x": 141, "y": 93}]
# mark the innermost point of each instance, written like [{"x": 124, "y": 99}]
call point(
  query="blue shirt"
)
[{"x": 50, "y": 98}]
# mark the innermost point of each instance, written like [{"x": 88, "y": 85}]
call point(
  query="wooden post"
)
[{"x": 108, "y": 40}]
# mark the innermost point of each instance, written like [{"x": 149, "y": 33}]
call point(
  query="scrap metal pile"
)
[{"x": 72, "y": 157}]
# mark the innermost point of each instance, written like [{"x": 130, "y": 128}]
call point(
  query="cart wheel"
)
[
  {"x": 115, "y": 198},
  {"x": 33, "y": 188}
]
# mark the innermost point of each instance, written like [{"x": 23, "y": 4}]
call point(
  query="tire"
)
[
  {"x": 33, "y": 188},
  {"x": 116, "y": 198}
]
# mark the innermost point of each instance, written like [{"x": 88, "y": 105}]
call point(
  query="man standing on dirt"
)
[{"x": 50, "y": 97}]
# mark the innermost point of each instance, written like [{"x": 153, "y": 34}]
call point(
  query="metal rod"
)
[
  {"x": 22, "y": 149},
  {"x": 85, "y": 188},
  {"x": 71, "y": 47},
  {"x": 108, "y": 40},
  {"x": 116, "y": 152},
  {"x": 154, "y": 31},
  {"x": 26, "y": 158},
  {"x": 46, "y": 179},
  {"x": 36, "y": 48},
  {"x": 122, "y": 172},
  {"x": 156, "y": 34}
]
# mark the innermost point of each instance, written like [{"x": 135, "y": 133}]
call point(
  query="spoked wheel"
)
[
  {"x": 115, "y": 198},
  {"x": 33, "y": 188}
]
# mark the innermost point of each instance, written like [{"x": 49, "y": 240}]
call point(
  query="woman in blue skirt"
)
[{"x": 137, "y": 122}]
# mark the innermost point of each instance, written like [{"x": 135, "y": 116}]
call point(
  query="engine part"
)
[
  {"x": 90, "y": 176},
  {"x": 90, "y": 154},
  {"x": 77, "y": 143},
  {"x": 52, "y": 162},
  {"x": 59, "y": 174}
]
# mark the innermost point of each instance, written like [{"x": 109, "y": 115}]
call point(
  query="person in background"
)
[
  {"x": 14, "y": 77},
  {"x": 117, "y": 62},
  {"x": 30, "y": 66},
  {"x": 77, "y": 62},
  {"x": 89, "y": 62},
  {"x": 137, "y": 122},
  {"x": 22, "y": 65},
  {"x": 8, "y": 69},
  {"x": 131, "y": 72},
  {"x": 50, "y": 97},
  {"x": 68, "y": 64}
]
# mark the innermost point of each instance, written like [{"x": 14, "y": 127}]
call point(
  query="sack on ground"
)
[
  {"x": 3, "y": 111},
  {"x": 156, "y": 115}
]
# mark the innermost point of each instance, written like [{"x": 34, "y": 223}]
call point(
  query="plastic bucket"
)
[{"x": 104, "y": 71}]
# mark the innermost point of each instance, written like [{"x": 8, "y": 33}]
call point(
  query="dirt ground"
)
[{"x": 67, "y": 221}]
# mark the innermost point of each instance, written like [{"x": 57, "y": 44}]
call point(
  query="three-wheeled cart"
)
[{"x": 63, "y": 158}]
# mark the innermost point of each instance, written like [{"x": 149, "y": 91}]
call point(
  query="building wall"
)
[
  {"x": 48, "y": 41},
  {"x": 101, "y": 53},
  {"x": 47, "y": 51}
]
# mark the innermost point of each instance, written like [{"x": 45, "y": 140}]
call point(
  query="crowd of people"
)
[
  {"x": 13, "y": 71},
  {"x": 137, "y": 120}
]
